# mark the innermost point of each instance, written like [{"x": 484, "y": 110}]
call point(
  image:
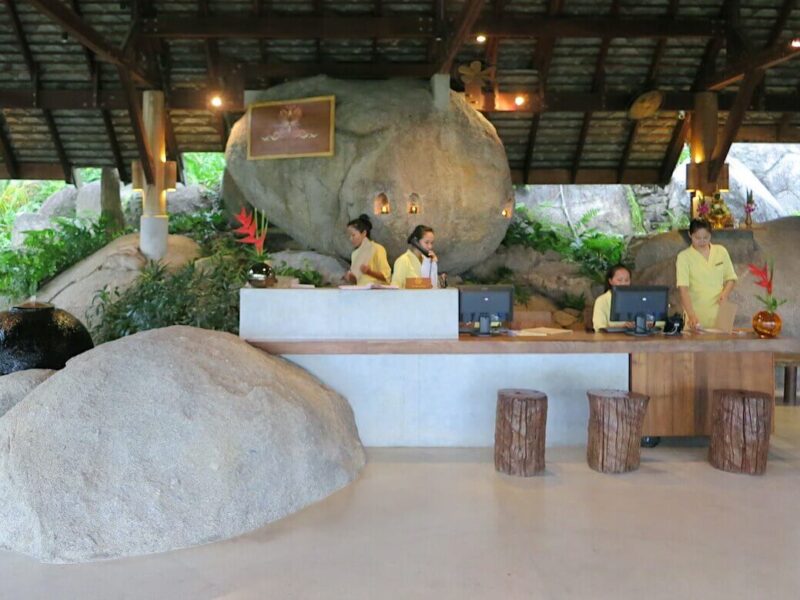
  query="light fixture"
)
[
  {"x": 215, "y": 101},
  {"x": 480, "y": 38},
  {"x": 795, "y": 43},
  {"x": 508, "y": 209},
  {"x": 413, "y": 204},
  {"x": 519, "y": 99},
  {"x": 64, "y": 37},
  {"x": 381, "y": 205}
]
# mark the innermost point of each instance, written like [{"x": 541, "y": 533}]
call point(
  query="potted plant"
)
[
  {"x": 253, "y": 226},
  {"x": 766, "y": 323},
  {"x": 749, "y": 208}
]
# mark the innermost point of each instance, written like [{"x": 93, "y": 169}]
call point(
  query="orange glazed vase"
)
[{"x": 767, "y": 324}]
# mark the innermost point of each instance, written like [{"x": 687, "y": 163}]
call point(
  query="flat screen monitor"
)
[
  {"x": 475, "y": 301},
  {"x": 631, "y": 300}
]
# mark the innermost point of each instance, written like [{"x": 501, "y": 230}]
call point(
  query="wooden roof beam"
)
[
  {"x": 114, "y": 143},
  {"x": 763, "y": 60},
  {"x": 66, "y": 167},
  {"x": 33, "y": 170},
  {"x": 137, "y": 123},
  {"x": 65, "y": 18},
  {"x": 600, "y": 27},
  {"x": 463, "y": 29},
  {"x": 22, "y": 42},
  {"x": 7, "y": 152},
  {"x": 780, "y": 22}
]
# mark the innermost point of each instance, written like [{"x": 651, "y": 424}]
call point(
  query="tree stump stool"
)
[
  {"x": 519, "y": 432},
  {"x": 615, "y": 430},
  {"x": 741, "y": 423}
]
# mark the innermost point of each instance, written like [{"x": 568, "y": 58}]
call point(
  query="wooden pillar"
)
[
  {"x": 702, "y": 141},
  {"x": 153, "y": 228}
]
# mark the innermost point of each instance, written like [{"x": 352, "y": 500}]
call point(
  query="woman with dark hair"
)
[
  {"x": 419, "y": 260},
  {"x": 616, "y": 275},
  {"x": 368, "y": 263},
  {"x": 704, "y": 275}
]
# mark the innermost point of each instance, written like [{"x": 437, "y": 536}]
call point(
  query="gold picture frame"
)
[{"x": 298, "y": 128}]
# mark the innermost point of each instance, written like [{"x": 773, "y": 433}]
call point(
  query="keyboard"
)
[{"x": 616, "y": 330}]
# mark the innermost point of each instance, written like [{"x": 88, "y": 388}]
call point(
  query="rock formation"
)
[
  {"x": 166, "y": 439},
  {"x": 389, "y": 139},
  {"x": 15, "y": 386}
]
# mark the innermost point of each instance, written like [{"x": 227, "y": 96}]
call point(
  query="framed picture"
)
[{"x": 291, "y": 128}]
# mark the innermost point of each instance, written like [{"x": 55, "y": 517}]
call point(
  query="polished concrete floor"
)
[{"x": 442, "y": 524}]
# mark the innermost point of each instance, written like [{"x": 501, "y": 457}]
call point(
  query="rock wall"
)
[{"x": 389, "y": 139}]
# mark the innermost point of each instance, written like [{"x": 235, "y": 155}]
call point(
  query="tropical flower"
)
[
  {"x": 764, "y": 279},
  {"x": 703, "y": 207},
  {"x": 750, "y": 203},
  {"x": 253, "y": 227}
]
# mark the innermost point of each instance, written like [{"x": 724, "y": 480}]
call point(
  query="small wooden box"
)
[{"x": 418, "y": 283}]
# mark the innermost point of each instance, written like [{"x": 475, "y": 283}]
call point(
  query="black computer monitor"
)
[
  {"x": 628, "y": 301},
  {"x": 487, "y": 301}
]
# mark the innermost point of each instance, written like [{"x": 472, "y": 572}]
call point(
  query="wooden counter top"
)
[{"x": 577, "y": 342}]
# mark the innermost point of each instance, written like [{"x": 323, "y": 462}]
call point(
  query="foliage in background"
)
[
  {"x": 637, "y": 218},
  {"x": 89, "y": 174},
  {"x": 593, "y": 250},
  {"x": 205, "y": 228},
  {"x": 205, "y": 168},
  {"x": 206, "y": 297},
  {"x": 19, "y": 197},
  {"x": 48, "y": 252},
  {"x": 675, "y": 220},
  {"x": 578, "y": 302},
  {"x": 306, "y": 275}
]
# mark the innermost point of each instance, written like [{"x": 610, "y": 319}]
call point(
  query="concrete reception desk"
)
[{"x": 418, "y": 391}]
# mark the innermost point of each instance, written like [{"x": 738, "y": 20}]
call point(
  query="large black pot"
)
[{"x": 36, "y": 335}]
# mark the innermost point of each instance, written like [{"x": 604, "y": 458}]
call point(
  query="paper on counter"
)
[{"x": 541, "y": 331}]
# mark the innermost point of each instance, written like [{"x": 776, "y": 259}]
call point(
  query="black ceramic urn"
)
[{"x": 36, "y": 335}]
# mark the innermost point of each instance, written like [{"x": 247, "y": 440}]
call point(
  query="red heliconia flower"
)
[
  {"x": 252, "y": 233},
  {"x": 764, "y": 277}
]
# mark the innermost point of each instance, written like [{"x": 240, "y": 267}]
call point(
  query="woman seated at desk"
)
[
  {"x": 704, "y": 275},
  {"x": 368, "y": 263},
  {"x": 419, "y": 260},
  {"x": 616, "y": 275}
]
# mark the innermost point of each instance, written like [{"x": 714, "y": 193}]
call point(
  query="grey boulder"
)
[
  {"x": 15, "y": 386},
  {"x": 166, "y": 439}
]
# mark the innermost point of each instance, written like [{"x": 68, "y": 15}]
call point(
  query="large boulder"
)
[
  {"x": 390, "y": 139},
  {"x": 782, "y": 178},
  {"x": 777, "y": 240},
  {"x": 15, "y": 386},
  {"x": 184, "y": 199},
  {"x": 60, "y": 204},
  {"x": 167, "y": 439},
  {"x": 25, "y": 222},
  {"x": 567, "y": 205},
  {"x": 116, "y": 266}
]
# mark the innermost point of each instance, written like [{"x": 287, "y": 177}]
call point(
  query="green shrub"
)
[
  {"x": 206, "y": 298},
  {"x": 205, "y": 168},
  {"x": 21, "y": 196},
  {"x": 202, "y": 227},
  {"x": 637, "y": 218},
  {"x": 306, "y": 275},
  {"x": 593, "y": 250},
  {"x": 48, "y": 252}
]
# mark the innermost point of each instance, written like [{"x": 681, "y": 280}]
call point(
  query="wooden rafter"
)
[
  {"x": 61, "y": 14},
  {"x": 650, "y": 83},
  {"x": 66, "y": 167},
  {"x": 22, "y": 42},
  {"x": 7, "y": 151},
  {"x": 214, "y": 77},
  {"x": 114, "y": 143},
  {"x": 88, "y": 57},
  {"x": 438, "y": 23},
  {"x": 780, "y": 22},
  {"x": 462, "y": 30},
  {"x": 598, "y": 82},
  {"x": 770, "y": 57},
  {"x": 543, "y": 56},
  {"x": 137, "y": 123}
]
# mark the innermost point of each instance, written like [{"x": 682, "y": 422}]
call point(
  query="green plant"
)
[
  {"x": 202, "y": 227},
  {"x": 637, "y": 218},
  {"x": 306, "y": 275},
  {"x": 48, "y": 252},
  {"x": 19, "y": 197},
  {"x": 205, "y": 297},
  {"x": 593, "y": 250},
  {"x": 90, "y": 174},
  {"x": 675, "y": 220},
  {"x": 205, "y": 168}
]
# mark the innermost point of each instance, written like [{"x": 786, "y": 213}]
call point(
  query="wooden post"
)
[
  {"x": 519, "y": 433},
  {"x": 740, "y": 430},
  {"x": 153, "y": 230},
  {"x": 702, "y": 140},
  {"x": 615, "y": 430},
  {"x": 110, "y": 205}
]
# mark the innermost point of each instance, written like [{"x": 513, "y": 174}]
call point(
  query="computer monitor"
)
[
  {"x": 628, "y": 301},
  {"x": 480, "y": 303}
]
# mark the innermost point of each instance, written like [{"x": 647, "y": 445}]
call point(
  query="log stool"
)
[
  {"x": 519, "y": 432},
  {"x": 615, "y": 430},
  {"x": 741, "y": 423},
  {"x": 789, "y": 362}
]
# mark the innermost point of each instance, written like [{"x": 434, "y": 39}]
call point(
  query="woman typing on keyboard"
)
[{"x": 617, "y": 275}]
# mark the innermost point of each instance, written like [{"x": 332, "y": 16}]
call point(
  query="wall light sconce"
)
[
  {"x": 519, "y": 100},
  {"x": 414, "y": 206},
  {"x": 381, "y": 205},
  {"x": 508, "y": 209},
  {"x": 795, "y": 43},
  {"x": 215, "y": 100},
  {"x": 480, "y": 38}
]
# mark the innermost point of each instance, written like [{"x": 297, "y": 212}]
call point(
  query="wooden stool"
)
[
  {"x": 740, "y": 427},
  {"x": 615, "y": 430},
  {"x": 519, "y": 432},
  {"x": 789, "y": 362}
]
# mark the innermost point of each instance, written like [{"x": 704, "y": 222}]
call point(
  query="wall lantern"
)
[
  {"x": 381, "y": 205},
  {"x": 414, "y": 205}
]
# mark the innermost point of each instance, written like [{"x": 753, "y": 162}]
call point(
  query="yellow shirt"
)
[
  {"x": 704, "y": 279},
  {"x": 602, "y": 313},
  {"x": 377, "y": 263},
  {"x": 407, "y": 265}
]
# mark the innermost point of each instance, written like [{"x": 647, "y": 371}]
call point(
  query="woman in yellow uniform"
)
[
  {"x": 368, "y": 263},
  {"x": 419, "y": 260},
  {"x": 601, "y": 317},
  {"x": 705, "y": 276}
]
